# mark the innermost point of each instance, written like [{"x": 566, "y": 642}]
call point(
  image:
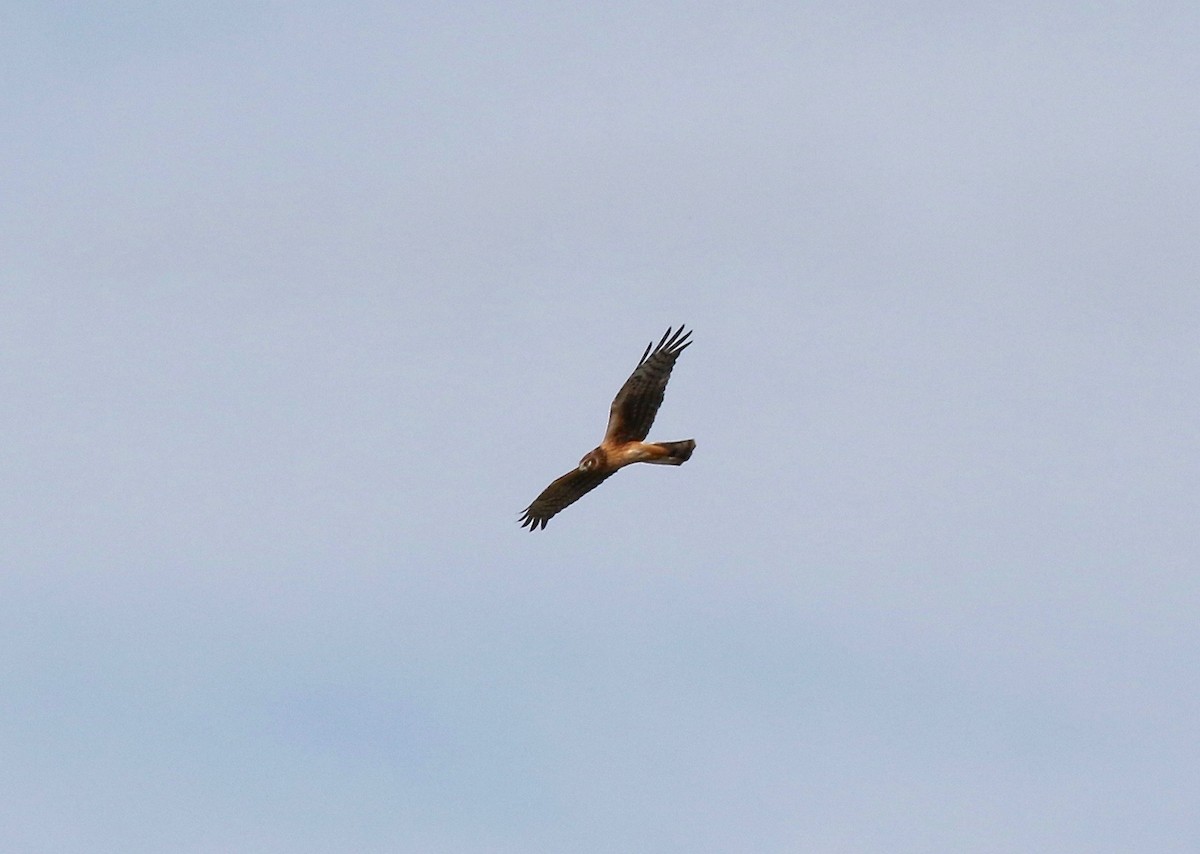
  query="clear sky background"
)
[{"x": 302, "y": 303}]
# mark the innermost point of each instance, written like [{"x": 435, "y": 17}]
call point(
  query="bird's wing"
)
[
  {"x": 636, "y": 404},
  {"x": 563, "y": 492}
]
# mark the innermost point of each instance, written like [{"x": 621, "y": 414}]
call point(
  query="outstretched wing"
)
[
  {"x": 637, "y": 402},
  {"x": 565, "y": 491}
]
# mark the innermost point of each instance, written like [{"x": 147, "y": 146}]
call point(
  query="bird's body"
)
[{"x": 629, "y": 421}]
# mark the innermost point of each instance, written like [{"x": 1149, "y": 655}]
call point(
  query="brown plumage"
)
[{"x": 629, "y": 421}]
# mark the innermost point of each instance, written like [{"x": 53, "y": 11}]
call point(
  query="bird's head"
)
[{"x": 590, "y": 461}]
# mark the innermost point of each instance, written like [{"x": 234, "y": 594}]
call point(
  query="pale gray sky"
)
[{"x": 302, "y": 303}]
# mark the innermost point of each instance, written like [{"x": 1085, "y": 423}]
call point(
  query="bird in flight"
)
[{"x": 629, "y": 421}]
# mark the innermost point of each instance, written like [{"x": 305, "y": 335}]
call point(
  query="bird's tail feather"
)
[{"x": 677, "y": 452}]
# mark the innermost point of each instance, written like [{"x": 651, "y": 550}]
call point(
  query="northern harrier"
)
[{"x": 629, "y": 421}]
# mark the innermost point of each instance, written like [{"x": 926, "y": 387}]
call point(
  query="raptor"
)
[{"x": 624, "y": 443}]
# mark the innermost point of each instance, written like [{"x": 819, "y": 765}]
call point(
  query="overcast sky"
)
[{"x": 302, "y": 303}]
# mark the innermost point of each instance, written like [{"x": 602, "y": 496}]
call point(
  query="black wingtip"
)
[
  {"x": 678, "y": 341},
  {"x": 532, "y": 522},
  {"x": 673, "y": 341}
]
